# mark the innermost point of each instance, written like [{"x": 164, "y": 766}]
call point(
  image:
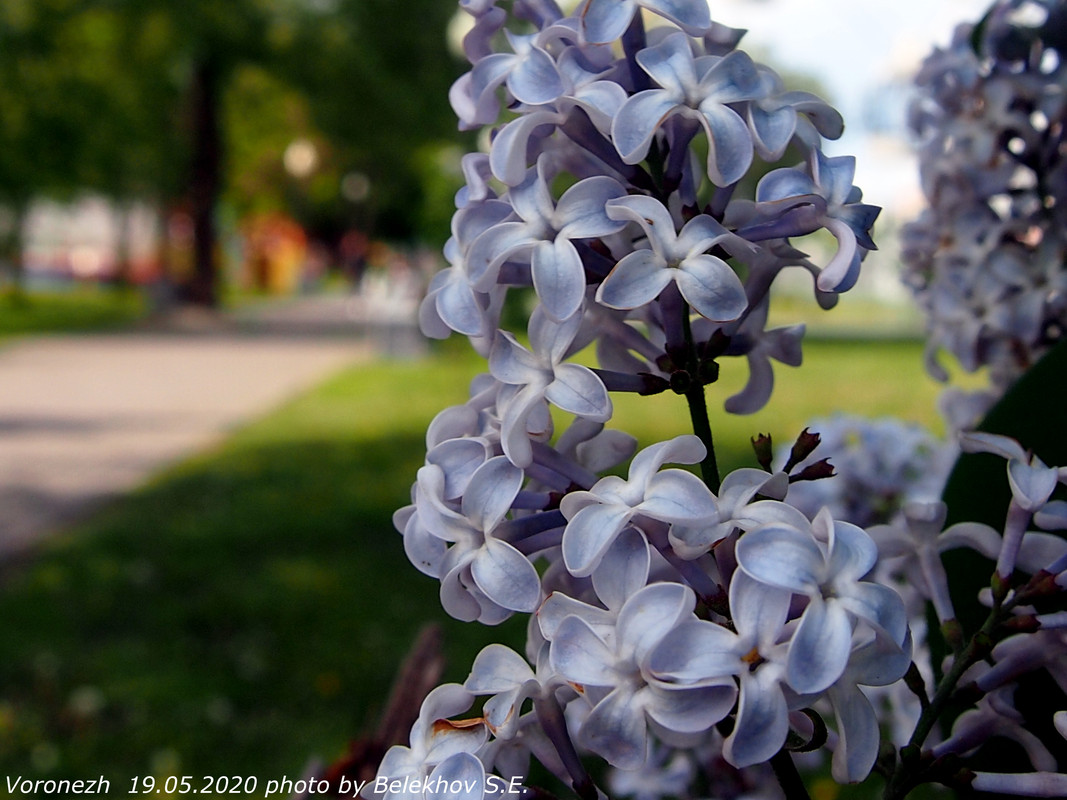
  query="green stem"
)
[
  {"x": 788, "y": 777},
  {"x": 698, "y": 409},
  {"x": 698, "y": 413},
  {"x": 904, "y": 778}
]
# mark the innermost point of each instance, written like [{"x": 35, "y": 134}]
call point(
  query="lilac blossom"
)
[
  {"x": 617, "y": 206},
  {"x": 699, "y": 651},
  {"x": 706, "y": 282},
  {"x": 613, "y": 672},
  {"x": 697, "y": 89},
  {"x": 825, "y": 562},
  {"x": 596, "y": 517}
]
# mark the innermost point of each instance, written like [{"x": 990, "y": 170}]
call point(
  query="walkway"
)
[{"x": 86, "y": 418}]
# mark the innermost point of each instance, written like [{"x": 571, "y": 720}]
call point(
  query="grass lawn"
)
[
  {"x": 80, "y": 309},
  {"x": 245, "y": 610}
]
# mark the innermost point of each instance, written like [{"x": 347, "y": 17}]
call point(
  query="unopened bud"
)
[
  {"x": 804, "y": 447},
  {"x": 814, "y": 472},
  {"x": 764, "y": 450}
]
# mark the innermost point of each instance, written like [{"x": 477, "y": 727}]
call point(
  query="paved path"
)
[{"x": 85, "y": 418}]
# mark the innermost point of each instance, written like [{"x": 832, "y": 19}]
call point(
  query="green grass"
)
[
  {"x": 84, "y": 309},
  {"x": 245, "y": 611}
]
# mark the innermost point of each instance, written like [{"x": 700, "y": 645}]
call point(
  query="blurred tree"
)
[
  {"x": 143, "y": 99},
  {"x": 377, "y": 73}
]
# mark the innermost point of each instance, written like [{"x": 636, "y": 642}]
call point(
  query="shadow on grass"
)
[{"x": 239, "y": 616}]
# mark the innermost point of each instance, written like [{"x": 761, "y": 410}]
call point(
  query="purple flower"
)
[
  {"x": 700, "y": 89},
  {"x": 706, "y": 282}
]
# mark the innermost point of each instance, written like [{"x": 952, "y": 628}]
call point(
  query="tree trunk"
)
[{"x": 205, "y": 181}]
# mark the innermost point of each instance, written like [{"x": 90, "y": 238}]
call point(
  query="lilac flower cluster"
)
[
  {"x": 880, "y": 466},
  {"x": 690, "y": 631},
  {"x": 985, "y": 259}
]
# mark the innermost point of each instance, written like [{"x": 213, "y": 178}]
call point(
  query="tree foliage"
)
[{"x": 184, "y": 102}]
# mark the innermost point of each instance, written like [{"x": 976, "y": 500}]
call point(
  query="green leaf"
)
[{"x": 1034, "y": 412}]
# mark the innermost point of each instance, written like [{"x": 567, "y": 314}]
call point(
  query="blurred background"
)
[
  {"x": 253, "y": 144},
  {"x": 163, "y": 160}
]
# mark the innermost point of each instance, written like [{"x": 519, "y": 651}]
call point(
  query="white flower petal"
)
[
  {"x": 506, "y": 577},
  {"x": 820, "y": 646}
]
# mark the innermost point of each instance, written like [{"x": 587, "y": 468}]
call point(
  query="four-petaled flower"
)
[{"x": 706, "y": 282}]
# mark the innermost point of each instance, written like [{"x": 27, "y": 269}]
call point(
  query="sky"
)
[{"x": 864, "y": 52}]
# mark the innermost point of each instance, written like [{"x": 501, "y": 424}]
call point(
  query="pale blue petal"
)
[
  {"x": 460, "y": 309},
  {"x": 497, "y": 669},
  {"x": 697, "y": 651},
  {"x": 514, "y": 435},
  {"x": 858, "y": 735},
  {"x": 510, "y": 362},
  {"x": 635, "y": 281},
  {"x": 670, "y": 63},
  {"x": 713, "y": 289},
  {"x": 677, "y": 496},
  {"x": 698, "y": 235},
  {"x": 455, "y": 599},
  {"x": 602, "y": 101},
  {"x": 683, "y": 449},
  {"x": 446, "y": 701},
  {"x": 782, "y": 557},
  {"x": 615, "y": 729},
  {"x": 729, "y": 144},
  {"x": 771, "y": 130},
  {"x": 762, "y": 720},
  {"x": 623, "y": 571},
  {"x": 490, "y": 72},
  {"x": 558, "y": 278},
  {"x": 757, "y": 390},
  {"x": 460, "y": 777},
  {"x": 1003, "y": 446},
  {"x": 424, "y": 550},
  {"x": 826, "y": 119},
  {"x": 532, "y": 199},
  {"x": 731, "y": 79},
  {"x": 648, "y": 615},
  {"x": 430, "y": 323},
  {"x": 879, "y": 662},
  {"x": 578, "y": 390},
  {"x": 1030, "y": 485},
  {"x": 853, "y": 552},
  {"x": 758, "y": 611},
  {"x": 589, "y": 534},
  {"x": 841, "y": 273},
  {"x": 489, "y": 251},
  {"x": 637, "y": 122},
  {"x": 781, "y": 184},
  {"x": 535, "y": 79},
  {"x": 580, "y": 212},
  {"x": 491, "y": 491},
  {"x": 690, "y": 709},
  {"x": 654, "y": 219},
  {"x": 606, "y": 20},
  {"x": 551, "y": 339},
  {"x": 834, "y": 176},
  {"x": 458, "y": 460},
  {"x": 558, "y": 606},
  {"x": 507, "y": 577},
  {"x": 692, "y": 16},
  {"x": 580, "y": 656},
  {"x": 879, "y": 605},
  {"x": 818, "y": 652},
  {"x": 500, "y": 712},
  {"x": 508, "y": 153},
  {"x": 471, "y": 222}
]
